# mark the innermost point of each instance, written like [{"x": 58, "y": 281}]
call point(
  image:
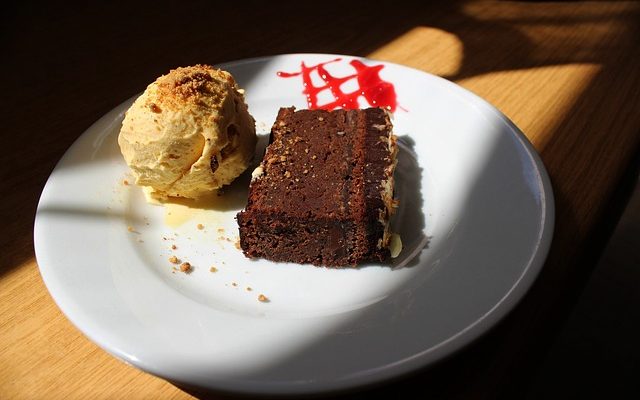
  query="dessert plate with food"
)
[{"x": 293, "y": 224}]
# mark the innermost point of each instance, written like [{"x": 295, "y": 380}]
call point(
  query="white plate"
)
[{"x": 476, "y": 217}]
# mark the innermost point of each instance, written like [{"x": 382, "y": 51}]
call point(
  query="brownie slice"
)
[{"x": 323, "y": 193}]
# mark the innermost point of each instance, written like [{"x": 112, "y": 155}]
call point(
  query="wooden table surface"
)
[{"x": 568, "y": 74}]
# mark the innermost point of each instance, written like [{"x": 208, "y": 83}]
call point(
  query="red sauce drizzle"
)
[{"x": 377, "y": 92}]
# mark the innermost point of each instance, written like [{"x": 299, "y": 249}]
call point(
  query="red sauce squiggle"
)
[{"x": 377, "y": 92}]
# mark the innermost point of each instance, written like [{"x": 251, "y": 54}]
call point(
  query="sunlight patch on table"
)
[
  {"x": 546, "y": 105},
  {"x": 441, "y": 52}
]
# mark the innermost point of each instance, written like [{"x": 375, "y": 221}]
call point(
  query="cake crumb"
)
[
  {"x": 213, "y": 269},
  {"x": 263, "y": 299},
  {"x": 185, "y": 267},
  {"x": 249, "y": 288},
  {"x": 131, "y": 228},
  {"x": 200, "y": 226},
  {"x": 221, "y": 230},
  {"x": 234, "y": 284},
  {"x": 237, "y": 244},
  {"x": 125, "y": 182},
  {"x": 174, "y": 260},
  {"x": 173, "y": 247}
]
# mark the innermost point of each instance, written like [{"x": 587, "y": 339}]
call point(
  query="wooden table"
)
[{"x": 567, "y": 74}]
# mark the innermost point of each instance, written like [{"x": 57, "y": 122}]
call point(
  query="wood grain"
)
[{"x": 566, "y": 73}]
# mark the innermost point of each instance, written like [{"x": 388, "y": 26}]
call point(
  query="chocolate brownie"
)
[{"x": 323, "y": 193}]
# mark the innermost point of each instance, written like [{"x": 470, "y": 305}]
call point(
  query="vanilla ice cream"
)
[{"x": 188, "y": 134}]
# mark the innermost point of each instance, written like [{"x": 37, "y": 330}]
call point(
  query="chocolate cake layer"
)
[{"x": 323, "y": 193}]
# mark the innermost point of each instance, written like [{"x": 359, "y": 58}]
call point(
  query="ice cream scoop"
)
[{"x": 188, "y": 134}]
